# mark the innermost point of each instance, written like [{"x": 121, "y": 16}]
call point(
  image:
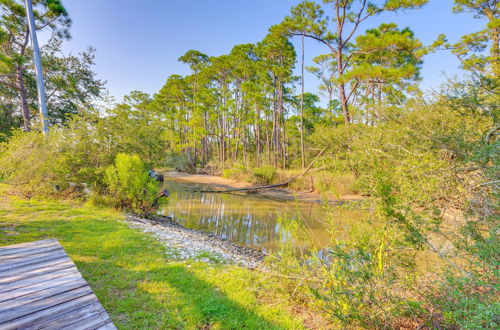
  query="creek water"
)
[{"x": 258, "y": 222}]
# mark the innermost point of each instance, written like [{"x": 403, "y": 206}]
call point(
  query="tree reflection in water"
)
[{"x": 253, "y": 221}]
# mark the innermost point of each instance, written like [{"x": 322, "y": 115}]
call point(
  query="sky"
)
[{"x": 138, "y": 43}]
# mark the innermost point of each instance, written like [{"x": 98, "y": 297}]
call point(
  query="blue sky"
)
[{"x": 138, "y": 42}]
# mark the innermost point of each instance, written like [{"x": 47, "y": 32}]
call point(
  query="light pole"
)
[{"x": 38, "y": 67}]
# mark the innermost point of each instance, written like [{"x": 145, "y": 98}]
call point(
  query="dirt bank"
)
[{"x": 219, "y": 183}]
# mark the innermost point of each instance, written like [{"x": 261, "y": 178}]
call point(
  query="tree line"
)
[{"x": 246, "y": 106}]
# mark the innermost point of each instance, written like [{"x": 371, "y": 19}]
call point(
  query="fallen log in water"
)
[{"x": 282, "y": 184}]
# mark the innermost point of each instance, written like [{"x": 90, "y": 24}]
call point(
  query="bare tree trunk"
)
[
  {"x": 302, "y": 147},
  {"x": 245, "y": 146},
  {"x": 340, "y": 64},
  {"x": 344, "y": 103},
  {"x": 279, "y": 114},
  {"x": 268, "y": 141},
  {"x": 23, "y": 95},
  {"x": 257, "y": 136},
  {"x": 274, "y": 136},
  {"x": 284, "y": 146},
  {"x": 330, "y": 98},
  {"x": 495, "y": 52},
  {"x": 222, "y": 140}
]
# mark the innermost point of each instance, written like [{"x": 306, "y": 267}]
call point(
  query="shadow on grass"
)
[{"x": 170, "y": 297}]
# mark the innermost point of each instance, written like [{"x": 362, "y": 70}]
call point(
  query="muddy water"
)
[{"x": 258, "y": 222}]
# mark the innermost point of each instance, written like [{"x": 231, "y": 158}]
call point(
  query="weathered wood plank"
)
[
  {"x": 34, "y": 270},
  {"x": 60, "y": 320},
  {"x": 28, "y": 244},
  {"x": 27, "y": 298},
  {"x": 6, "y": 287},
  {"x": 7, "y": 252},
  {"x": 92, "y": 322},
  {"x": 13, "y": 312},
  {"x": 12, "y": 259},
  {"x": 109, "y": 326},
  {"x": 35, "y": 259},
  {"x": 40, "y": 286},
  {"x": 49, "y": 313},
  {"x": 25, "y": 253}
]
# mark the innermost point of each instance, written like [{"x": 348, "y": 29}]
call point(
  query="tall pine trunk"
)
[
  {"x": 302, "y": 147},
  {"x": 23, "y": 97},
  {"x": 343, "y": 97}
]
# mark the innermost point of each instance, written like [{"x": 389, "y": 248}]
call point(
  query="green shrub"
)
[
  {"x": 61, "y": 163},
  {"x": 353, "y": 280},
  {"x": 306, "y": 182},
  {"x": 264, "y": 174},
  {"x": 31, "y": 162},
  {"x": 339, "y": 184},
  {"x": 129, "y": 183},
  {"x": 179, "y": 162},
  {"x": 236, "y": 172},
  {"x": 66, "y": 163}
]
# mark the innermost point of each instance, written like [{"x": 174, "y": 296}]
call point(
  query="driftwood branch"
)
[
  {"x": 491, "y": 133},
  {"x": 281, "y": 184}
]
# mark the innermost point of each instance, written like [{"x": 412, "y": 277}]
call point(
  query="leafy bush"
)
[
  {"x": 414, "y": 163},
  {"x": 63, "y": 162},
  {"x": 31, "y": 162},
  {"x": 264, "y": 174},
  {"x": 128, "y": 182},
  {"x": 355, "y": 281},
  {"x": 236, "y": 172},
  {"x": 469, "y": 297},
  {"x": 179, "y": 162},
  {"x": 339, "y": 184},
  {"x": 70, "y": 160}
]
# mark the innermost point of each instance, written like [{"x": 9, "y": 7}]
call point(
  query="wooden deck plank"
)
[
  {"x": 27, "y": 252},
  {"x": 34, "y": 270},
  {"x": 40, "y": 287},
  {"x": 9, "y": 252},
  {"x": 45, "y": 315},
  {"x": 40, "y": 295},
  {"x": 35, "y": 259},
  {"x": 60, "y": 320},
  {"x": 109, "y": 326},
  {"x": 92, "y": 322},
  {"x": 28, "y": 244},
  {"x": 41, "y": 304},
  {"x": 26, "y": 282}
]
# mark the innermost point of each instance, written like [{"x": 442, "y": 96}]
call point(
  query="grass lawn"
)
[{"x": 135, "y": 280}]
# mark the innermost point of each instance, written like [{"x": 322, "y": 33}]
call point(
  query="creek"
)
[{"x": 258, "y": 222}]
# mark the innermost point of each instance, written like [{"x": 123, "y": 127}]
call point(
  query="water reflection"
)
[{"x": 253, "y": 221}]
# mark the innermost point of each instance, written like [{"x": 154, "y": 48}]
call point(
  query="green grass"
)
[{"x": 135, "y": 279}]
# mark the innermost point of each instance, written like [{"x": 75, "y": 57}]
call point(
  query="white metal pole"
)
[{"x": 38, "y": 67}]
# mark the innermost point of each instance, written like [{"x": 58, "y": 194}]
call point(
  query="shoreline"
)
[
  {"x": 220, "y": 183},
  {"x": 193, "y": 244}
]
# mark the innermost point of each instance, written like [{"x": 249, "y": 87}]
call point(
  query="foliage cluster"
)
[
  {"x": 419, "y": 164},
  {"x": 128, "y": 181},
  {"x": 82, "y": 158},
  {"x": 262, "y": 175}
]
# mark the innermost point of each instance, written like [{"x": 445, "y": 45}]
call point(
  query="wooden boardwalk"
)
[{"x": 41, "y": 288}]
